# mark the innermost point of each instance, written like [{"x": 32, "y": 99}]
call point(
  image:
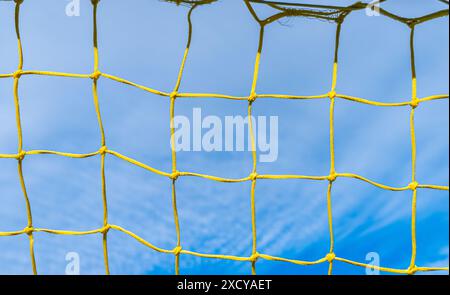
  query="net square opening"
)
[
  {"x": 292, "y": 223},
  {"x": 58, "y": 114},
  {"x": 65, "y": 193},
  {"x": 362, "y": 232},
  {"x": 374, "y": 142},
  {"x": 215, "y": 218}
]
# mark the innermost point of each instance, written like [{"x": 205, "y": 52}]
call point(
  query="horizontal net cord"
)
[
  {"x": 337, "y": 11},
  {"x": 185, "y": 95},
  {"x": 178, "y": 251},
  {"x": 171, "y": 175}
]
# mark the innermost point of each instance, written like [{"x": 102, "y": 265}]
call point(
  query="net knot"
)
[
  {"x": 17, "y": 74},
  {"x": 414, "y": 103},
  {"x": 252, "y": 97},
  {"x": 330, "y": 257},
  {"x": 332, "y": 177},
  {"x": 95, "y": 75},
  {"x": 412, "y": 22},
  {"x": 413, "y": 185},
  {"x": 18, "y": 1},
  {"x": 340, "y": 18},
  {"x": 253, "y": 176},
  {"x": 254, "y": 257},
  {"x": 175, "y": 175},
  {"x": 332, "y": 94},
  {"x": 412, "y": 270},
  {"x": 21, "y": 155},
  {"x": 28, "y": 230},
  {"x": 177, "y": 250},
  {"x": 105, "y": 229},
  {"x": 174, "y": 95},
  {"x": 95, "y": 2},
  {"x": 103, "y": 150}
]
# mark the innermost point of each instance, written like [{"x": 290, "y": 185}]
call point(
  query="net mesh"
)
[{"x": 334, "y": 14}]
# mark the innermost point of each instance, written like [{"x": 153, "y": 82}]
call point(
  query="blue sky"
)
[{"x": 143, "y": 41}]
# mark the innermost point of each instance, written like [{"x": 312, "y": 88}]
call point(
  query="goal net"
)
[{"x": 335, "y": 15}]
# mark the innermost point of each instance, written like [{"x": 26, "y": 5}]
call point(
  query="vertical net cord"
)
[
  {"x": 175, "y": 174},
  {"x": 413, "y": 185},
  {"x": 21, "y": 153},
  {"x": 332, "y": 177},
  {"x": 253, "y": 176},
  {"x": 95, "y": 76}
]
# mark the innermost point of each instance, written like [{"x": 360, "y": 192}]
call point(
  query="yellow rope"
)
[{"x": 332, "y": 95}]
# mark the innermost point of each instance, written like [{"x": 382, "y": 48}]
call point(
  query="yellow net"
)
[{"x": 335, "y": 14}]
